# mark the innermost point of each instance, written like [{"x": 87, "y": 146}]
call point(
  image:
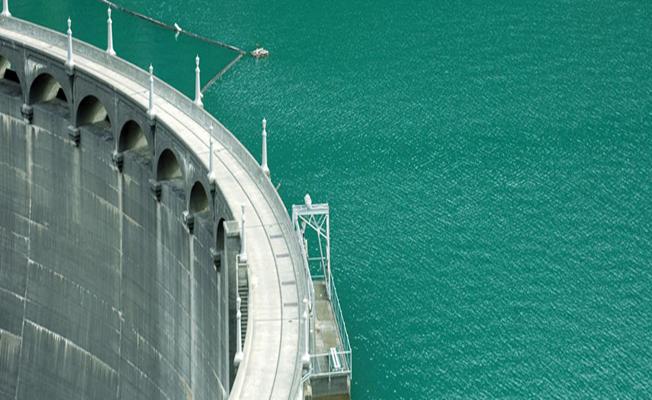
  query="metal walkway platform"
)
[{"x": 330, "y": 366}]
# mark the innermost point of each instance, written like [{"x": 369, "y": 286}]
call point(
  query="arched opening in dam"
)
[
  {"x": 168, "y": 167},
  {"x": 132, "y": 138},
  {"x": 46, "y": 89},
  {"x": 92, "y": 112},
  {"x": 9, "y": 80},
  {"x": 198, "y": 199}
]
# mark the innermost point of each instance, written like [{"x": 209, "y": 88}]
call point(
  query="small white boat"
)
[{"x": 260, "y": 53}]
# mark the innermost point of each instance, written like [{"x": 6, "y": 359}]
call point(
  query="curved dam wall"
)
[
  {"x": 102, "y": 285},
  {"x": 118, "y": 255}
]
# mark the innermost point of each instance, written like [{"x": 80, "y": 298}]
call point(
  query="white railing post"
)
[
  {"x": 69, "y": 61},
  {"x": 263, "y": 164},
  {"x": 150, "y": 106},
  {"x": 305, "y": 358},
  {"x": 5, "y": 8},
  {"x": 109, "y": 34},
  {"x": 238, "y": 355},
  {"x": 243, "y": 250},
  {"x": 198, "y": 94}
]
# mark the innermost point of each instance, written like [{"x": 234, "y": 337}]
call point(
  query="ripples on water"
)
[{"x": 489, "y": 168}]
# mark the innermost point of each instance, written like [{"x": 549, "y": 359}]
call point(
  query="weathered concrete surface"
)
[
  {"x": 99, "y": 278},
  {"x": 326, "y": 334},
  {"x": 105, "y": 292}
]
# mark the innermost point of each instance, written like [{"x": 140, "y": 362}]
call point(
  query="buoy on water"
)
[{"x": 260, "y": 53}]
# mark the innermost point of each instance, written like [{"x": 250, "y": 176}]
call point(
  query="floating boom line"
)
[
  {"x": 222, "y": 72},
  {"x": 178, "y": 29},
  {"x": 172, "y": 27}
]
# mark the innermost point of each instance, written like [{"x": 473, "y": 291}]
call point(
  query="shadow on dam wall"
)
[{"x": 104, "y": 293}]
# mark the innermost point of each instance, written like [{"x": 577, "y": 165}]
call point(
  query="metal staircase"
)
[{"x": 243, "y": 292}]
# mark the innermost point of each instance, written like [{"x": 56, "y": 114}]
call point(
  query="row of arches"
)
[
  {"x": 46, "y": 89},
  {"x": 90, "y": 111}
]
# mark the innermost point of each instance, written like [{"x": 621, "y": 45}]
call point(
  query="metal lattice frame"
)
[{"x": 316, "y": 217}]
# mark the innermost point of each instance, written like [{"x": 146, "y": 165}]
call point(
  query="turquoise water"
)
[{"x": 489, "y": 169}]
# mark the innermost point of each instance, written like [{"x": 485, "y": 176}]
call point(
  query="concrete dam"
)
[{"x": 144, "y": 252}]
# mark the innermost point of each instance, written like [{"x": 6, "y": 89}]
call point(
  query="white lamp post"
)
[
  {"x": 198, "y": 94},
  {"x": 109, "y": 34}
]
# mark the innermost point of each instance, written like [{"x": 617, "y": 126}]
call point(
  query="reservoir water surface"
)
[{"x": 488, "y": 167}]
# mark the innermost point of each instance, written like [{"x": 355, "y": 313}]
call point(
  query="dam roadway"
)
[{"x": 271, "y": 366}]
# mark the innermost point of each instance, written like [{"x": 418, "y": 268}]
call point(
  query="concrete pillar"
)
[
  {"x": 109, "y": 34},
  {"x": 211, "y": 172},
  {"x": 198, "y": 94},
  {"x": 70, "y": 63},
  {"x": 263, "y": 164},
  {"x": 5, "y": 8},
  {"x": 150, "y": 107},
  {"x": 238, "y": 355},
  {"x": 28, "y": 113},
  {"x": 243, "y": 250}
]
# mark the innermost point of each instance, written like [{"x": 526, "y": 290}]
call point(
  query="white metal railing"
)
[{"x": 324, "y": 365}]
